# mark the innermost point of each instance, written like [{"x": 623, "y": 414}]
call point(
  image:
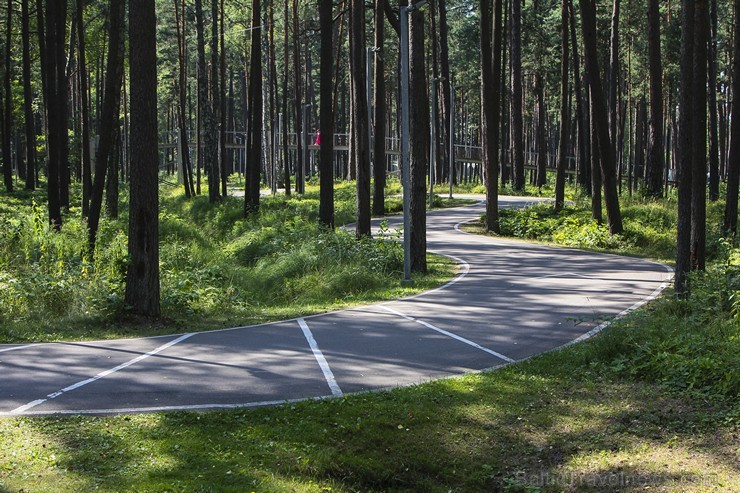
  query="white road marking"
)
[
  {"x": 323, "y": 364},
  {"x": 14, "y": 348},
  {"x": 449, "y": 334},
  {"x": 100, "y": 375}
]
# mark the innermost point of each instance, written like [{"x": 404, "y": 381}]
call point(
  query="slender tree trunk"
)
[
  {"x": 699, "y": 145},
  {"x": 444, "y": 63},
  {"x": 184, "y": 150},
  {"x": 84, "y": 111},
  {"x": 142, "y": 278},
  {"x": 541, "y": 138},
  {"x": 203, "y": 118},
  {"x": 360, "y": 114},
  {"x": 286, "y": 112},
  {"x": 8, "y": 103},
  {"x": 733, "y": 161},
  {"x": 28, "y": 100},
  {"x": 655, "y": 160},
  {"x": 595, "y": 165},
  {"x": 601, "y": 119},
  {"x": 713, "y": 112},
  {"x": 254, "y": 146},
  {"x": 564, "y": 117},
  {"x": 222, "y": 103},
  {"x": 584, "y": 171},
  {"x": 110, "y": 116},
  {"x": 379, "y": 97},
  {"x": 211, "y": 129},
  {"x": 326, "y": 116},
  {"x": 297, "y": 77},
  {"x": 418, "y": 141},
  {"x": 490, "y": 28},
  {"x": 685, "y": 149},
  {"x": 517, "y": 102},
  {"x": 614, "y": 74}
]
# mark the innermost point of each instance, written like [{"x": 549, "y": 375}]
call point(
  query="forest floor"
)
[{"x": 649, "y": 405}]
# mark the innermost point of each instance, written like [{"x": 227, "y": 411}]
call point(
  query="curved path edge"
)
[{"x": 512, "y": 300}]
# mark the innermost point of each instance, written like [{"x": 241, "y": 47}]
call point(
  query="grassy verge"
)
[
  {"x": 649, "y": 405},
  {"x": 217, "y": 268}
]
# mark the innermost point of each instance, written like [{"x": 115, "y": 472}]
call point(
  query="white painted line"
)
[
  {"x": 323, "y": 364},
  {"x": 14, "y": 348},
  {"x": 100, "y": 375},
  {"x": 449, "y": 334}
]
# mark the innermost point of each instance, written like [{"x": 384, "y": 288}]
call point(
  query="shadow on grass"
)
[{"x": 524, "y": 428}]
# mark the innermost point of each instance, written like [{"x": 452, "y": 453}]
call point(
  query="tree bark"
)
[
  {"x": 601, "y": 119},
  {"x": 655, "y": 160},
  {"x": 211, "y": 129},
  {"x": 418, "y": 141},
  {"x": 517, "y": 119},
  {"x": 699, "y": 144},
  {"x": 490, "y": 28},
  {"x": 142, "y": 277},
  {"x": 184, "y": 150},
  {"x": 7, "y": 120},
  {"x": 109, "y": 117},
  {"x": 254, "y": 142},
  {"x": 564, "y": 117},
  {"x": 360, "y": 114},
  {"x": 733, "y": 161},
  {"x": 326, "y": 117},
  {"x": 685, "y": 150},
  {"x": 380, "y": 111},
  {"x": 28, "y": 100},
  {"x": 84, "y": 111},
  {"x": 713, "y": 113}
]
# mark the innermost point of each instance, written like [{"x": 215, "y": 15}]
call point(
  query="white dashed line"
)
[
  {"x": 323, "y": 364},
  {"x": 449, "y": 334},
  {"x": 100, "y": 375}
]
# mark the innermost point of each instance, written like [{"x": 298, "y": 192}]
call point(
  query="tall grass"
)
[{"x": 217, "y": 268}]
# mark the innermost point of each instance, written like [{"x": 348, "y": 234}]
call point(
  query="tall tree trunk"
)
[
  {"x": 202, "y": 77},
  {"x": 222, "y": 102},
  {"x": 517, "y": 101},
  {"x": 286, "y": 113},
  {"x": 211, "y": 129},
  {"x": 55, "y": 74},
  {"x": 142, "y": 278},
  {"x": 699, "y": 145},
  {"x": 184, "y": 149},
  {"x": 254, "y": 142},
  {"x": 713, "y": 112},
  {"x": 326, "y": 116},
  {"x": 444, "y": 63},
  {"x": 360, "y": 114},
  {"x": 595, "y": 164},
  {"x": 733, "y": 161},
  {"x": 110, "y": 115},
  {"x": 655, "y": 159},
  {"x": 601, "y": 119},
  {"x": 379, "y": 96},
  {"x": 297, "y": 78},
  {"x": 541, "y": 138},
  {"x": 614, "y": 74},
  {"x": 685, "y": 150},
  {"x": 7, "y": 122},
  {"x": 584, "y": 171},
  {"x": 418, "y": 141},
  {"x": 84, "y": 110},
  {"x": 564, "y": 113},
  {"x": 28, "y": 100},
  {"x": 490, "y": 28}
]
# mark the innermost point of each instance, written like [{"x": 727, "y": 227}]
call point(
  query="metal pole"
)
[
  {"x": 433, "y": 143},
  {"x": 403, "y": 21},
  {"x": 452, "y": 136}
]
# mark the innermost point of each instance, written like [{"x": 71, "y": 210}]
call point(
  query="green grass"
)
[
  {"x": 217, "y": 269},
  {"x": 651, "y": 404}
]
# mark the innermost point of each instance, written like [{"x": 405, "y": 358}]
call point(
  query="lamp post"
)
[{"x": 404, "y": 34}]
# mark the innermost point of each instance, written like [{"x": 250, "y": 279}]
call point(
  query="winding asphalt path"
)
[{"x": 511, "y": 300}]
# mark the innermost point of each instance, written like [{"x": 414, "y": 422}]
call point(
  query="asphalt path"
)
[{"x": 510, "y": 301}]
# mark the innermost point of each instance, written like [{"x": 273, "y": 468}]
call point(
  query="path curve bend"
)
[{"x": 512, "y": 300}]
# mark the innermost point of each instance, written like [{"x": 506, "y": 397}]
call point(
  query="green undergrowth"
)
[
  {"x": 217, "y": 268},
  {"x": 625, "y": 411}
]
